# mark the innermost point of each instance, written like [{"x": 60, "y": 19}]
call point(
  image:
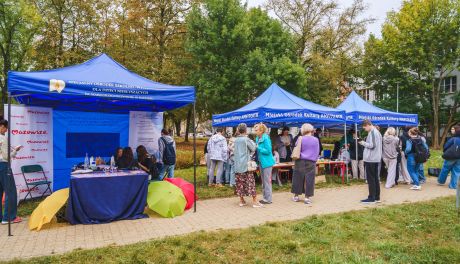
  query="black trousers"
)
[{"x": 372, "y": 174}]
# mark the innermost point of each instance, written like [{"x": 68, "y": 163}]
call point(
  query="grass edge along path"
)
[{"x": 423, "y": 232}]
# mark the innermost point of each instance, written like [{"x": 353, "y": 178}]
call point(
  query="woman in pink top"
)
[{"x": 303, "y": 179}]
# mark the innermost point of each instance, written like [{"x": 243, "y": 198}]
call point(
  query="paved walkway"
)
[{"x": 212, "y": 215}]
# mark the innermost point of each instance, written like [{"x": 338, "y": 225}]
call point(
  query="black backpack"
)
[
  {"x": 421, "y": 153},
  {"x": 453, "y": 152},
  {"x": 169, "y": 154}
]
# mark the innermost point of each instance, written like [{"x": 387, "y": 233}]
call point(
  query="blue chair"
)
[{"x": 327, "y": 153}]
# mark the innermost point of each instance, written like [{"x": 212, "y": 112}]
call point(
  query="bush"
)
[
  {"x": 185, "y": 158},
  {"x": 329, "y": 140}
]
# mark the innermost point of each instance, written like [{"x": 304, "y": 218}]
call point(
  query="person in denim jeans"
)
[
  {"x": 413, "y": 167},
  {"x": 7, "y": 184},
  {"x": 451, "y": 165},
  {"x": 166, "y": 170},
  {"x": 229, "y": 169}
]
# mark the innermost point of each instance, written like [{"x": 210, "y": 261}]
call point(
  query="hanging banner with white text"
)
[
  {"x": 145, "y": 129},
  {"x": 31, "y": 127}
]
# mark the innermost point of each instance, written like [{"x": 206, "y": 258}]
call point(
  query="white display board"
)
[
  {"x": 145, "y": 129},
  {"x": 31, "y": 127}
]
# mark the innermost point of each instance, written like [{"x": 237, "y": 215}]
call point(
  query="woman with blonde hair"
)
[
  {"x": 390, "y": 155},
  {"x": 266, "y": 161},
  {"x": 303, "y": 179}
]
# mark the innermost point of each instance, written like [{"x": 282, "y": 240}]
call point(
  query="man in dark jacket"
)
[
  {"x": 357, "y": 163},
  {"x": 318, "y": 136},
  {"x": 167, "y": 154}
]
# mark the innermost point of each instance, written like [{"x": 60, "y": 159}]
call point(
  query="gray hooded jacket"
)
[
  {"x": 372, "y": 146},
  {"x": 390, "y": 147}
]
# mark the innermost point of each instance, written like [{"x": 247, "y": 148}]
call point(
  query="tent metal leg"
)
[
  {"x": 9, "y": 175},
  {"x": 194, "y": 157},
  {"x": 356, "y": 142},
  {"x": 346, "y": 165}
]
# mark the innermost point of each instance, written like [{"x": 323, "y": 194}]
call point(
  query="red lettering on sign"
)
[{"x": 29, "y": 132}]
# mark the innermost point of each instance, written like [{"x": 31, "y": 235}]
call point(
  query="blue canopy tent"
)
[
  {"x": 98, "y": 85},
  {"x": 357, "y": 110},
  {"x": 277, "y": 107}
]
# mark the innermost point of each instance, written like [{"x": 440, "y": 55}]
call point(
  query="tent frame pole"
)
[
  {"x": 346, "y": 148},
  {"x": 356, "y": 147},
  {"x": 9, "y": 174},
  {"x": 194, "y": 158}
]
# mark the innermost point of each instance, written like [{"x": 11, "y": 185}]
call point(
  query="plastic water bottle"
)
[
  {"x": 91, "y": 162},
  {"x": 86, "y": 162},
  {"x": 112, "y": 163}
]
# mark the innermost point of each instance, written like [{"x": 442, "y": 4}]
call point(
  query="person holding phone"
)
[{"x": 7, "y": 185}]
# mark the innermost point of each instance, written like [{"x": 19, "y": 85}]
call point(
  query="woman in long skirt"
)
[{"x": 245, "y": 182}]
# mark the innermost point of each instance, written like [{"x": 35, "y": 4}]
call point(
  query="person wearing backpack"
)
[
  {"x": 167, "y": 154},
  {"x": 417, "y": 153},
  {"x": 451, "y": 158},
  {"x": 421, "y": 172}
]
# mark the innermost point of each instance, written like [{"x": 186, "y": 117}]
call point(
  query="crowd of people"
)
[{"x": 399, "y": 159}]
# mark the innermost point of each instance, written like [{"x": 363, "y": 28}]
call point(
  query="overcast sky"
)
[{"x": 377, "y": 9}]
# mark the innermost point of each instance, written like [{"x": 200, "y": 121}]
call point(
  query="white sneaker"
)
[
  {"x": 257, "y": 205},
  {"x": 415, "y": 187},
  {"x": 295, "y": 199},
  {"x": 307, "y": 201}
]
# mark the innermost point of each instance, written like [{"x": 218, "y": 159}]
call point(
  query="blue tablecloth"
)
[{"x": 105, "y": 197}]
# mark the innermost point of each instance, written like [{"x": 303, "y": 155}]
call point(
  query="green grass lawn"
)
[
  {"x": 435, "y": 160},
  {"x": 427, "y": 232}
]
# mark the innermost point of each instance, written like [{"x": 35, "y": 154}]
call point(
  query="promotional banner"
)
[
  {"x": 31, "y": 127},
  {"x": 145, "y": 129},
  {"x": 79, "y": 133}
]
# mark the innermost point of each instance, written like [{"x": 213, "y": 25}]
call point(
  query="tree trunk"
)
[
  {"x": 6, "y": 68},
  {"x": 450, "y": 123},
  {"x": 435, "y": 109},
  {"x": 187, "y": 125},
  {"x": 59, "y": 57},
  {"x": 177, "y": 124}
]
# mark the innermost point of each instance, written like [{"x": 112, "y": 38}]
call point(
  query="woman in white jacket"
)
[{"x": 217, "y": 153}]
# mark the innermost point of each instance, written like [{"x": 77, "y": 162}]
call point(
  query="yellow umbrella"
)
[{"x": 47, "y": 209}]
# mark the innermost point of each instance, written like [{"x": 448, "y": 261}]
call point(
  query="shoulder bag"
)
[
  {"x": 252, "y": 165},
  {"x": 296, "y": 151}
]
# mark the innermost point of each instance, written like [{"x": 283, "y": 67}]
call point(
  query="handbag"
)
[
  {"x": 252, "y": 165},
  {"x": 296, "y": 151}
]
